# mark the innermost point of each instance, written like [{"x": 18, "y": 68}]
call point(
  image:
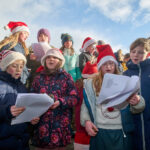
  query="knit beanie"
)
[
  {"x": 53, "y": 52},
  {"x": 66, "y": 37},
  {"x": 7, "y": 57},
  {"x": 45, "y": 32}
]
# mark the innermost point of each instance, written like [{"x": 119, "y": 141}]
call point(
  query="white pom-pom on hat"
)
[
  {"x": 87, "y": 42},
  {"x": 6, "y": 27}
]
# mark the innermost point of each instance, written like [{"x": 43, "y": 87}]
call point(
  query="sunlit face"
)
[
  {"x": 68, "y": 44},
  {"x": 23, "y": 36},
  {"x": 121, "y": 56},
  {"x": 43, "y": 38},
  {"x": 15, "y": 69},
  {"x": 108, "y": 67},
  {"x": 91, "y": 48},
  {"x": 51, "y": 62},
  {"x": 138, "y": 54}
]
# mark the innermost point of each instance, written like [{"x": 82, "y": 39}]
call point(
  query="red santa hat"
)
[
  {"x": 105, "y": 54},
  {"x": 87, "y": 42},
  {"x": 17, "y": 26},
  {"x": 89, "y": 70}
]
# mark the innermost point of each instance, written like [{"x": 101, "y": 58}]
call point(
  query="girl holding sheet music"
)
[
  {"x": 109, "y": 128},
  {"x": 140, "y": 66},
  {"x": 54, "y": 128},
  {"x": 12, "y": 137}
]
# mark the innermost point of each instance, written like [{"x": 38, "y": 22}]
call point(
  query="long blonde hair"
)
[
  {"x": 72, "y": 50},
  {"x": 98, "y": 79},
  {"x": 13, "y": 39}
]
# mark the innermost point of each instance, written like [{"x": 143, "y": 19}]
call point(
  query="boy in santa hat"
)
[
  {"x": 87, "y": 52},
  {"x": 109, "y": 128},
  {"x": 16, "y": 42}
]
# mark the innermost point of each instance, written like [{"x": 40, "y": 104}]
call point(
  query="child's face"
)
[
  {"x": 138, "y": 54},
  {"x": 15, "y": 69},
  {"x": 108, "y": 67},
  {"x": 68, "y": 44},
  {"x": 43, "y": 38},
  {"x": 91, "y": 48},
  {"x": 121, "y": 56},
  {"x": 23, "y": 36},
  {"x": 51, "y": 62}
]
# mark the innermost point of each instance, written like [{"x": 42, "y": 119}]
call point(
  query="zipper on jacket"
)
[
  {"x": 124, "y": 135},
  {"x": 142, "y": 118}
]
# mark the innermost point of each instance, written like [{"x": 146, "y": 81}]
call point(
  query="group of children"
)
[{"x": 72, "y": 81}]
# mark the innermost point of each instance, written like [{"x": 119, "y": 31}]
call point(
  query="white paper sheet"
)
[
  {"x": 35, "y": 105},
  {"x": 116, "y": 89},
  {"x": 40, "y": 49}
]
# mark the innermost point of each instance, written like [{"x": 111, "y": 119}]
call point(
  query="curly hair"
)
[{"x": 13, "y": 39}]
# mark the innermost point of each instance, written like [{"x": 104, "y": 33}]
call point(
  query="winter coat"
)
[
  {"x": 88, "y": 112},
  {"x": 54, "y": 127},
  {"x": 18, "y": 48},
  {"x": 71, "y": 65},
  {"x": 12, "y": 137},
  {"x": 84, "y": 57},
  {"x": 142, "y": 121}
]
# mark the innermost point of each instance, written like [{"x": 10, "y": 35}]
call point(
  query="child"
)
[
  {"x": 125, "y": 60},
  {"x": 37, "y": 50},
  {"x": 12, "y": 137},
  {"x": 120, "y": 57},
  {"x": 54, "y": 129},
  {"x": 16, "y": 42},
  {"x": 82, "y": 139},
  {"x": 100, "y": 42},
  {"x": 87, "y": 52},
  {"x": 71, "y": 58},
  {"x": 43, "y": 35},
  {"x": 140, "y": 66},
  {"x": 109, "y": 128}
]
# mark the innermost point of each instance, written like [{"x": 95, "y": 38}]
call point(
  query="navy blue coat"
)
[
  {"x": 12, "y": 137},
  {"x": 142, "y": 120}
]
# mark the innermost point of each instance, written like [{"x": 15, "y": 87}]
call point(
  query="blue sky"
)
[{"x": 118, "y": 23}]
